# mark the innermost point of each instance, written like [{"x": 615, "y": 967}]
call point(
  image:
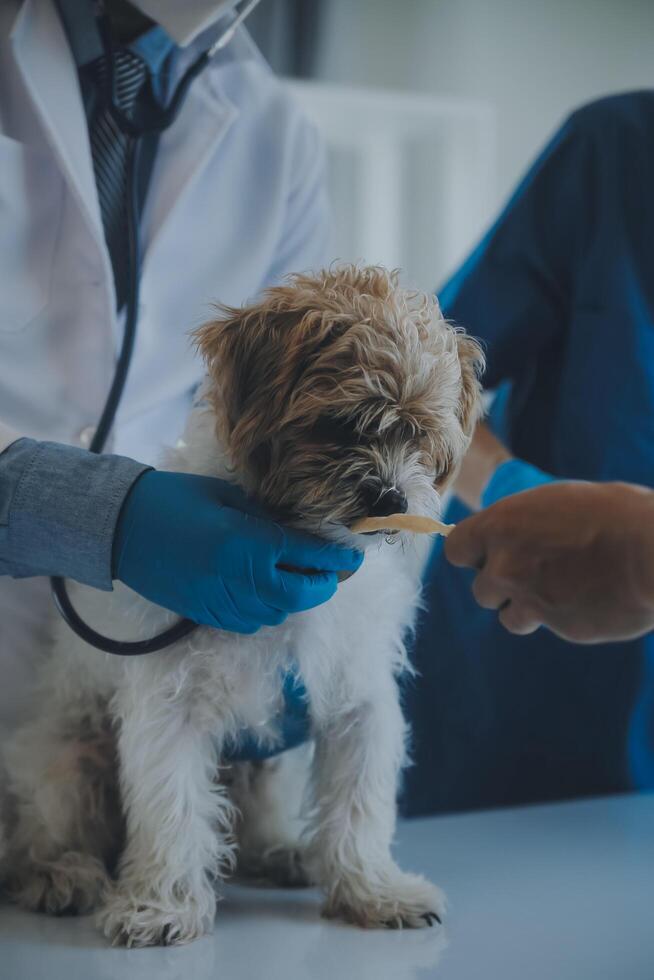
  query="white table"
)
[{"x": 562, "y": 892}]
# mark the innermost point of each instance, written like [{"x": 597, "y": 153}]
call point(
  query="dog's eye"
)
[
  {"x": 336, "y": 429},
  {"x": 417, "y": 430}
]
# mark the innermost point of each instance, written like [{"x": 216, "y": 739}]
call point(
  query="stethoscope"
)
[{"x": 158, "y": 119}]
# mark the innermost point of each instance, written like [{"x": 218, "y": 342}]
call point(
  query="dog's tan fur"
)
[{"x": 349, "y": 345}]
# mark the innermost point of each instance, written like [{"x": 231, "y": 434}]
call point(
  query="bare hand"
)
[{"x": 576, "y": 557}]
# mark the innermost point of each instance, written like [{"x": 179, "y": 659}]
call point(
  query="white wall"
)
[
  {"x": 411, "y": 177},
  {"x": 533, "y": 61}
]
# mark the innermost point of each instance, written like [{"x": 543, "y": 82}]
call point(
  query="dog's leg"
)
[
  {"x": 268, "y": 796},
  {"x": 63, "y": 809},
  {"x": 359, "y": 753},
  {"x": 178, "y": 816}
]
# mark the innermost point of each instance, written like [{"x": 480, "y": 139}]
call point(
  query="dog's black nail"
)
[{"x": 429, "y": 918}]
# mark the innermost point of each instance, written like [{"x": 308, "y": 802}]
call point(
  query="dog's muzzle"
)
[{"x": 380, "y": 501}]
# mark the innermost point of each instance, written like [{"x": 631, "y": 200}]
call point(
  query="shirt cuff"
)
[
  {"x": 64, "y": 507},
  {"x": 511, "y": 477}
]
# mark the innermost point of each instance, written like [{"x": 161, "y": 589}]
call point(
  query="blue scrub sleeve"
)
[
  {"x": 511, "y": 477},
  {"x": 514, "y": 292},
  {"x": 58, "y": 510}
]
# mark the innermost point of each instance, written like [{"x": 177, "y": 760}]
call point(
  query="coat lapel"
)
[
  {"x": 50, "y": 78},
  {"x": 184, "y": 151}
]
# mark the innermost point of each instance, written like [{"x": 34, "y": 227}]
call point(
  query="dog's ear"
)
[
  {"x": 244, "y": 353},
  {"x": 228, "y": 345},
  {"x": 256, "y": 355},
  {"x": 472, "y": 361}
]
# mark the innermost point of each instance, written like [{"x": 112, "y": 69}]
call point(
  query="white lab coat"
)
[{"x": 236, "y": 201}]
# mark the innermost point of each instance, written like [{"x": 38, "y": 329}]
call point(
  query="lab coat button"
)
[{"x": 86, "y": 436}]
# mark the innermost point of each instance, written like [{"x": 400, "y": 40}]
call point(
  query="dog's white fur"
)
[{"x": 160, "y": 722}]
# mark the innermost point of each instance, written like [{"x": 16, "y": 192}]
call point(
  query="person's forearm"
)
[
  {"x": 58, "y": 510},
  {"x": 489, "y": 472},
  {"x": 485, "y": 454}
]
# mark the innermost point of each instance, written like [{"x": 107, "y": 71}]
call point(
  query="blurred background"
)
[{"x": 432, "y": 109}]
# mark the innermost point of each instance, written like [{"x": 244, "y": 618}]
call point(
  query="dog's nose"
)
[{"x": 388, "y": 501}]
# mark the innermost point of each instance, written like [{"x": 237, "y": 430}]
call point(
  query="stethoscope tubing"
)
[{"x": 62, "y": 600}]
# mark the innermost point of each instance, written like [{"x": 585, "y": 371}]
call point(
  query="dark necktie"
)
[{"x": 109, "y": 149}]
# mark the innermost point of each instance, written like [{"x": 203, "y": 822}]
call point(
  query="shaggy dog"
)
[{"x": 336, "y": 397}]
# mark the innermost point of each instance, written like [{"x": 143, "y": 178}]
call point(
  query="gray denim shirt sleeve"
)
[{"x": 58, "y": 510}]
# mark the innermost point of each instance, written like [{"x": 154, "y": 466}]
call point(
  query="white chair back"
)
[{"x": 411, "y": 176}]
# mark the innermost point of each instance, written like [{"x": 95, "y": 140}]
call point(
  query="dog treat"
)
[{"x": 402, "y": 522}]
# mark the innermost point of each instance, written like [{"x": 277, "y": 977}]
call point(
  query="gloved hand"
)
[{"x": 199, "y": 547}]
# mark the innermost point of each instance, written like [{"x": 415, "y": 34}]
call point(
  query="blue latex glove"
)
[
  {"x": 198, "y": 546},
  {"x": 511, "y": 477}
]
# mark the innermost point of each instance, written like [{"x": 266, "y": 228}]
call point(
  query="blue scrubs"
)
[{"x": 561, "y": 291}]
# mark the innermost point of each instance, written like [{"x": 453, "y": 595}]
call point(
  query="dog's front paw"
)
[
  {"x": 131, "y": 919},
  {"x": 395, "y": 901}
]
